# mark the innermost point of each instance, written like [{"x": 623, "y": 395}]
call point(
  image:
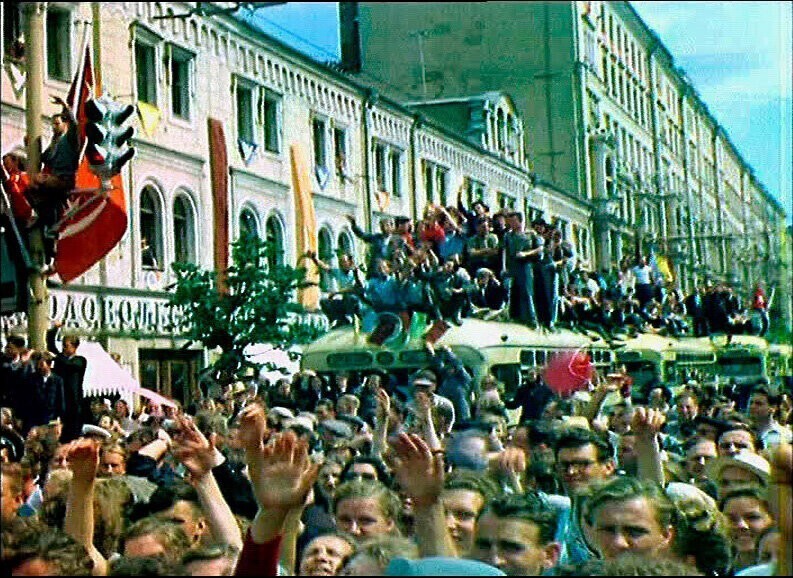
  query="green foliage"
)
[{"x": 257, "y": 306}]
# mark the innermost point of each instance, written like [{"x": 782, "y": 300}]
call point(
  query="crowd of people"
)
[
  {"x": 362, "y": 475},
  {"x": 455, "y": 263}
]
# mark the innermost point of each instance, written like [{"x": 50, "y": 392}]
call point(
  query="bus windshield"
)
[
  {"x": 738, "y": 366},
  {"x": 642, "y": 372}
]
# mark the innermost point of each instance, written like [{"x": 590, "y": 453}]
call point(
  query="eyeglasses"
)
[
  {"x": 577, "y": 465},
  {"x": 349, "y": 476}
]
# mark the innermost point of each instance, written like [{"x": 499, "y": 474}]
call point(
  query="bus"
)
[
  {"x": 655, "y": 359},
  {"x": 742, "y": 359},
  {"x": 780, "y": 364},
  {"x": 509, "y": 351}
]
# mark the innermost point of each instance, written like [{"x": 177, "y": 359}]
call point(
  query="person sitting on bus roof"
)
[
  {"x": 487, "y": 295},
  {"x": 343, "y": 302}
]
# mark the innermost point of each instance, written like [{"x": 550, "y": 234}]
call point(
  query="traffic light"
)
[{"x": 107, "y": 147}]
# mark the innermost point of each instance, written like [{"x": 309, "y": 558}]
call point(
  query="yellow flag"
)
[
  {"x": 665, "y": 268},
  {"x": 149, "y": 118},
  {"x": 305, "y": 225}
]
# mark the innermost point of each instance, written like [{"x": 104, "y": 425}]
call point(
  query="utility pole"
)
[{"x": 38, "y": 309}]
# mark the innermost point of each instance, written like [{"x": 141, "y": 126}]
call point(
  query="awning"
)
[
  {"x": 266, "y": 353},
  {"x": 103, "y": 376}
]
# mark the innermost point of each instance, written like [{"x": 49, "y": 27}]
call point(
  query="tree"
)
[{"x": 253, "y": 304}]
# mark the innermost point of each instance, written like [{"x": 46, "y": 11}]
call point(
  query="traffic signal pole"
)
[{"x": 38, "y": 308}]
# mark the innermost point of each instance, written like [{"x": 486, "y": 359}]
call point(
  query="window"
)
[
  {"x": 340, "y": 151},
  {"x": 345, "y": 243},
  {"x": 59, "y": 46},
  {"x": 319, "y": 134},
  {"x": 474, "y": 191},
  {"x": 380, "y": 168},
  {"x": 245, "y": 130},
  {"x": 183, "y": 231},
  {"x": 275, "y": 236},
  {"x": 181, "y": 82},
  {"x": 325, "y": 253},
  {"x": 271, "y": 106},
  {"x": 13, "y": 35},
  {"x": 504, "y": 201},
  {"x": 395, "y": 164},
  {"x": 146, "y": 70},
  {"x": 150, "y": 230},
  {"x": 249, "y": 224}
]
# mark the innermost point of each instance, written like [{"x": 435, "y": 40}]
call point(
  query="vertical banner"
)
[
  {"x": 219, "y": 177},
  {"x": 305, "y": 224},
  {"x": 95, "y": 220}
]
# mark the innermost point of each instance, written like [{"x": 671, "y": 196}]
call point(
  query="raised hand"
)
[
  {"x": 253, "y": 427},
  {"x": 511, "y": 463},
  {"x": 192, "y": 449},
  {"x": 419, "y": 471},
  {"x": 383, "y": 405},
  {"x": 646, "y": 422},
  {"x": 83, "y": 459},
  {"x": 423, "y": 406},
  {"x": 283, "y": 474}
]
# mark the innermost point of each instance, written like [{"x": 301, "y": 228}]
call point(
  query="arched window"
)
[
  {"x": 325, "y": 253},
  {"x": 183, "y": 231},
  {"x": 275, "y": 236},
  {"x": 151, "y": 229},
  {"x": 249, "y": 224},
  {"x": 345, "y": 244}
]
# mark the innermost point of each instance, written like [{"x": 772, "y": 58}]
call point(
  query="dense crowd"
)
[
  {"x": 455, "y": 263},
  {"x": 362, "y": 475}
]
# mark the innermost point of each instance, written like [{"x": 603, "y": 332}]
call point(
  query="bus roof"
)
[
  {"x": 648, "y": 341},
  {"x": 473, "y": 333}
]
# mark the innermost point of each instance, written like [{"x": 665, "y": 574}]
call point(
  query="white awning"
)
[{"x": 103, "y": 376}]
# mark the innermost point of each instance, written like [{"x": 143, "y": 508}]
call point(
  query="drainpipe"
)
[{"x": 369, "y": 101}]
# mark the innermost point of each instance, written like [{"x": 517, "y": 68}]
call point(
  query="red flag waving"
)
[
  {"x": 95, "y": 220},
  {"x": 568, "y": 372}
]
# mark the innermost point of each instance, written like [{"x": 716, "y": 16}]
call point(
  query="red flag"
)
[
  {"x": 95, "y": 220},
  {"x": 568, "y": 372}
]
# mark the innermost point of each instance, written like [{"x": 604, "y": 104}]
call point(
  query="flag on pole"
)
[{"x": 95, "y": 220}]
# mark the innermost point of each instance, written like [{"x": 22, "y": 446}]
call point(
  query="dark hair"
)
[
  {"x": 16, "y": 341},
  {"x": 530, "y": 507},
  {"x": 164, "y": 498},
  {"x": 146, "y": 566},
  {"x": 773, "y": 400},
  {"x": 27, "y": 539},
  {"x": 479, "y": 482},
  {"x": 629, "y": 564},
  {"x": 382, "y": 471},
  {"x": 626, "y": 488},
  {"x": 745, "y": 491},
  {"x": 73, "y": 339},
  {"x": 576, "y": 437}
]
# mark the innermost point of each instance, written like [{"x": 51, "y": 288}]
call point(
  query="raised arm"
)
[
  {"x": 647, "y": 424},
  {"x": 380, "y": 443},
  {"x": 199, "y": 456},
  {"x": 79, "y": 521},
  {"x": 420, "y": 473}
]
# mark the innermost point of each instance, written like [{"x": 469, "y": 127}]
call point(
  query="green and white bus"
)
[{"x": 509, "y": 351}]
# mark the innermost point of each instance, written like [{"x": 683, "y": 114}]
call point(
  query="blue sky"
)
[{"x": 737, "y": 55}]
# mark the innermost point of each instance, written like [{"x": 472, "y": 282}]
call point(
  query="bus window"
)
[
  {"x": 740, "y": 366},
  {"x": 527, "y": 357},
  {"x": 349, "y": 360},
  {"x": 509, "y": 375},
  {"x": 642, "y": 372}
]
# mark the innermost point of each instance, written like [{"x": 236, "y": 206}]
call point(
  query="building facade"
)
[
  {"x": 608, "y": 117},
  {"x": 369, "y": 155}
]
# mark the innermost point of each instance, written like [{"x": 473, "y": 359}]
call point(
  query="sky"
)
[{"x": 736, "y": 54}]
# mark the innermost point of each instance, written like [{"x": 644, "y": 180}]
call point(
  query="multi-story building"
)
[
  {"x": 189, "y": 76},
  {"x": 608, "y": 116}
]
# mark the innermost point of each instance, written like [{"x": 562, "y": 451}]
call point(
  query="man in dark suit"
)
[
  {"x": 695, "y": 306},
  {"x": 520, "y": 252},
  {"x": 70, "y": 367},
  {"x": 43, "y": 401},
  {"x": 488, "y": 296}
]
